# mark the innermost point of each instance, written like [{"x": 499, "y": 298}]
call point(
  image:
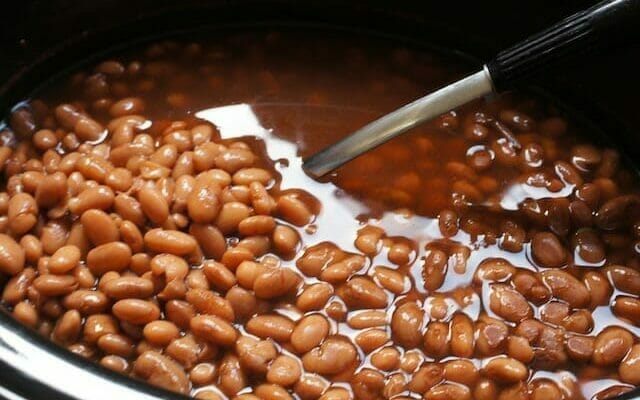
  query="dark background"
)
[{"x": 477, "y": 27}]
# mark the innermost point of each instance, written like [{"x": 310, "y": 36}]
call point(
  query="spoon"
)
[{"x": 608, "y": 23}]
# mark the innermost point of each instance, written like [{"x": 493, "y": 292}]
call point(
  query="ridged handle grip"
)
[{"x": 609, "y": 23}]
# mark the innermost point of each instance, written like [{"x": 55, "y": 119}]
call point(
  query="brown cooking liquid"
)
[{"x": 441, "y": 205}]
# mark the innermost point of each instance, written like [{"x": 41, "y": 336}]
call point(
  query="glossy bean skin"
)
[
  {"x": 333, "y": 356},
  {"x": 114, "y": 256},
  {"x": 309, "y": 333},
  {"x": 271, "y": 326},
  {"x": 161, "y": 371},
  {"x": 136, "y": 311},
  {"x": 481, "y": 256},
  {"x": 611, "y": 345},
  {"x": 213, "y": 329},
  {"x": 628, "y": 367},
  {"x": 566, "y": 287},
  {"x": 12, "y": 257},
  {"x": 169, "y": 241},
  {"x": 406, "y": 325}
]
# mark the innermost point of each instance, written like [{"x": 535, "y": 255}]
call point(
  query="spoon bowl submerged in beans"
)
[{"x": 155, "y": 219}]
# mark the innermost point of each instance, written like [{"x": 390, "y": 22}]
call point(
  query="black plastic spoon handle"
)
[{"x": 607, "y": 24}]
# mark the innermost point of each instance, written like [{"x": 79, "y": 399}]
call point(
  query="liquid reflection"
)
[{"x": 342, "y": 214}]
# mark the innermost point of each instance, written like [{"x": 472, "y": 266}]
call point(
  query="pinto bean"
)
[
  {"x": 160, "y": 333},
  {"x": 426, "y": 377},
  {"x": 390, "y": 279},
  {"x": 494, "y": 270},
  {"x": 333, "y": 356},
  {"x": 367, "y": 384},
  {"x": 588, "y": 246},
  {"x": 231, "y": 375},
  {"x": 599, "y": 288},
  {"x": 367, "y": 319},
  {"x": 86, "y": 301},
  {"x": 128, "y": 287},
  {"x": 461, "y": 371},
  {"x": 294, "y": 210},
  {"x": 219, "y": 275},
  {"x": 99, "y": 197},
  {"x": 434, "y": 269},
  {"x": 519, "y": 349},
  {"x": 310, "y": 386},
  {"x": 275, "y": 282},
  {"x": 340, "y": 271},
  {"x": 171, "y": 266},
  {"x": 611, "y": 345},
  {"x": 277, "y": 327},
  {"x": 628, "y": 368},
  {"x": 68, "y": 327},
  {"x": 203, "y": 204},
  {"x": 55, "y": 285},
  {"x": 12, "y": 256},
  {"x": 161, "y": 371},
  {"x": 64, "y": 259},
  {"x": 547, "y": 250},
  {"x": 361, "y": 292},
  {"x": 579, "y": 321},
  {"x": 114, "y": 256},
  {"x": 51, "y": 190},
  {"x": 97, "y": 325},
  {"x": 309, "y": 333},
  {"x": 136, "y": 311},
  {"x": 566, "y": 287},
  {"x": 26, "y": 314},
  {"x": 614, "y": 213},
  {"x": 116, "y": 344},
  {"x": 508, "y": 303},
  {"x": 54, "y": 235},
  {"x": 506, "y": 370},
  {"x": 386, "y": 359},
  {"x": 153, "y": 204},
  {"x": 99, "y": 227},
  {"x": 485, "y": 389},
  {"x": 580, "y": 348},
  {"x": 549, "y": 350},
  {"x": 625, "y": 279},
  {"x": 627, "y": 307},
  {"x": 210, "y": 240},
  {"x": 254, "y": 354},
  {"x": 462, "y": 336},
  {"x": 169, "y": 241},
  {"x": 406, "y": 324},
  {"x": 336, "y": 393},
  {"x": 491, "y": 337},
  {"x": 314, "y": 297},
  {"x": 213, "y": 329},
  {"x": 284, "y": 371},
  {"x": 22, "y": 213},
  {"x": 208, "y": 302},
  {"x": 129, "y": 209},
  {"x": 285, "y": 241},
  {"x": 15, "y": 290},
  {"x": 436, "y": 339},
  {"x": 371, "y": 339}
]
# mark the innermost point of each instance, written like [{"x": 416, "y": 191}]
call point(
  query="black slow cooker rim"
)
[{"x": 19, "y": 385}]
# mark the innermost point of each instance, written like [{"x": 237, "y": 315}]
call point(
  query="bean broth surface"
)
[{"x": 155, "y": 218}]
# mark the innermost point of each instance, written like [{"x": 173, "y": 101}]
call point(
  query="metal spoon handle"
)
[
  {"x": 399, "y": 121},
  {"x": 606, "y": 24}
]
